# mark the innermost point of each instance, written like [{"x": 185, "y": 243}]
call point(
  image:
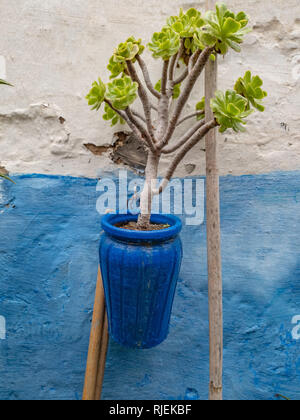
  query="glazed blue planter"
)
[{"x": 140, "y": 272}]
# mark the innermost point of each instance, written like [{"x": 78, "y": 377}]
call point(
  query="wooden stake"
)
[
  {"x": 213, "y": 240},
  {"x": 96, "y": 343},
  {"x": 102, "y": 359}
]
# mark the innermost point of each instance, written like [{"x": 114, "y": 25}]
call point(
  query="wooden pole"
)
[
  {"x": 96, "y": 348},
  {"x": 102, "y": 360},
  {"x": 213, "y": 240}
]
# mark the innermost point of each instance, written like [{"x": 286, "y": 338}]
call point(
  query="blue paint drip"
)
[{"x": 49, "y": 241}]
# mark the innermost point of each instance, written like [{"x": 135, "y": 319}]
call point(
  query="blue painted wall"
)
[{"x": 49, "y": 233}]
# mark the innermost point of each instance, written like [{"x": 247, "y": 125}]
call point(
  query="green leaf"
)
[
  {"x": 221, "y": 10},
  {"x": 7, "y": 178},
  {"x": 233, "y": 110},
  {"x": 256, "y": 82},
  {"x": 231, "y": 26},
  {"x": 3, "y": 82},
  {"x": 178, "y": 27},
  {"x": 192, "y": 13},
  {"x": 234, "y": 46},
  {"x": 201, "y": 107},
  {"x": 259, "y": 107}
]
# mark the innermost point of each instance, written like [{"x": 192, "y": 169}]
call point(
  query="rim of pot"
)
[{"x": 110, "y": 220}]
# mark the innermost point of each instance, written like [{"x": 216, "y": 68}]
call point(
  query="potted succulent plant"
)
[
  {"x": 3, "y": 82},
  {"x": 141, "y": 256}
]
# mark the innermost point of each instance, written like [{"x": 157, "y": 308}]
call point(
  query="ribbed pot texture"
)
[{"x": 140, "y": 272}]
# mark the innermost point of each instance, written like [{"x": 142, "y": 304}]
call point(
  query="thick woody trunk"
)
[
  {"x": 154, "y": 158},
  {"x": 147, "y": 194}
]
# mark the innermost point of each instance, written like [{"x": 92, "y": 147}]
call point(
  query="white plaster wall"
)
[{"x": 52, "y": 50}]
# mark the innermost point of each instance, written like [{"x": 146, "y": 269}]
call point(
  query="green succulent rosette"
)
[
  {"x": 186, "y": 24},
  {"x": 127, "y": 51},
  {"x": 230, "y": 110},
  {"x": 251, "y": 88},
  {"x": 122, "y": 92},
  {"x": 223, "y": 29},
  {"x": 96, "y": 95},
  {"x": 164, "y": 44},
  {"x": 137, "y": 42}
]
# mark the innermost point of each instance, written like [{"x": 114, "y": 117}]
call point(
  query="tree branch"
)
[
  {"x": 189, "y": 68},
  {"x": 137, "y": 132},
  {"x": 193, "y": 60},
  {"x": 163, "y": 106},
  {"x": 184, "y": 139},
  {"x": 141, "y": 129},
  {"x": 174, "y": 63},
  {"x": 181, "y": 154},
  {"x": 195, "y": 114},
  {"x": 144, "y": 99},
  {"x": 172, "y": 67},
  {"x": 138, "y": 115},
  {"x": 182, "y": 77},
  {"x": 164, "y": 80},
  {"x": 119, "y": 112},
  {"x": 146, "y": 75},
  {"x": 180, "y": 53},
  {"x": 192, "y": 79}
]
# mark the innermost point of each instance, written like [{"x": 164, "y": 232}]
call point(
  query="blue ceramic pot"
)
[{"x": 140, "y": 272}]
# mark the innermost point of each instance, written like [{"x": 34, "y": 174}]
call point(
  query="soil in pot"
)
[{"x": 134, "y": 226}]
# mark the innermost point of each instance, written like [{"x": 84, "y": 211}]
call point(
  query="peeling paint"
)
[
  {"x": 3, "y": 170},
  {"x": 97, "y": 150},
  {"x": 129, "y": 151},
  {"x": 126, "y": 150},
  {"x": 190, "y": 168}
]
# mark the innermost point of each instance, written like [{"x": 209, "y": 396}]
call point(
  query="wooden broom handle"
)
[
  {"x": 102, "y": 359},
  {"x": 97, "y": 347}
]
